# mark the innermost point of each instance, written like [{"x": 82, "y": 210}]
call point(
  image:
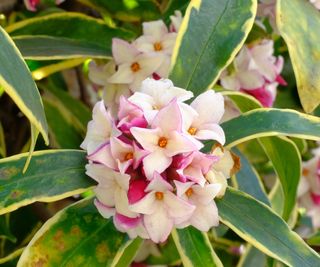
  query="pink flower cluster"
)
[
  {"x": 256, "y": 71},
  {"x": 147, "y": 56},
  {"x": 146, "y": 159},
  {"x": 32, "y": 4},
  {"x": 309, "y": 188}
]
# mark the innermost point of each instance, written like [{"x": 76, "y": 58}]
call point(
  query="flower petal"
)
[
  {"x": 158, "y": 224},
  {"x": 210, "y": 107},
  {"x": 156, "y": 161},
  {"x": 123, "y": 52}
]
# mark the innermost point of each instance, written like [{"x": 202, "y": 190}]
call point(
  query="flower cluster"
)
[
  {"x": 256, "y": 71},
  {"x": 309, "y": 188},
  {"x": 147, "y": 56},
  {"x": 316, "y": 3},
  {"x": 32, "y": 4},
  {"x": 267, "y": 9},
  {"x": 146, "y": 159}
]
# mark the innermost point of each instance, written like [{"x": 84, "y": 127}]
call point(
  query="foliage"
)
[{"x": 47, "y": 211}]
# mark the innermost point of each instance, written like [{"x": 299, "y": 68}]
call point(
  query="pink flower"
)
[
  {"x": 256, "y": 72},
  {"x": 143, "y": 156},
  {"x": 32, "y": 4},
  {"x": 309, "y": 188},
  {"x": 132, "y": 226},
  {"x": 193, "y": 166},
  {"x": 133, "y": 66},
  {"x": 100, "y": 129},
  {"x": 205, "y": 214},
  {"x": 161, "y": 207},
  {"x": 203, "y": 124},
  {"x": 130, "y": 115},
  {"x": 157, "y": 39},
  {"x": 176, "y": 21},
  {"x": 164, "y": 140},
  {"x": 111, "y": 190},
  {"x": 156, "y": 94}
]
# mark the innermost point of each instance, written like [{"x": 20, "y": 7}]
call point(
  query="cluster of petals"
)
[
  {"x": 32, "y": 4},
  {"x": 147, "y": 161},
  {"x": 309, "y": 188},
  {"x": 256, "y": 71},
  {"x": 147, "y": 56}
]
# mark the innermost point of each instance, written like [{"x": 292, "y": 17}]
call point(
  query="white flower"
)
[
  {"x": 133, "y": 66},
  {"x": 161, "y": 208}
]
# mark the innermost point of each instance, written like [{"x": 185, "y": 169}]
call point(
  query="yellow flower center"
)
[
  {"x": 305, "y": 172},
  {"x": 162, "y": 142},
  {"x": 128, "y": 156},
  {"x": 157, "y": 46},
  {"x": 192, "y": 130},
  {"x": 189, "y": 192},
  {"x": 159, "y": 195},
  {"x": 135, "y": 67}
]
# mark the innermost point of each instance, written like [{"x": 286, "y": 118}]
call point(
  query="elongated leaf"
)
[
  {"x": 248, "y": 180},
  {"x": 79, "y": 114},
  {"x": 16, "y": 80},
  {"x": 208, "y": 28},
  {"x": 253, "y": 257},
  {"x": 75, "y": 29},
  {"x": 52, "y": 175},
  {"x": 194, "y": 248},
  {"x": 125, "y": 256},
  {"x": 47, "y": 70},
  {"x": 270, "y": 122},
  {"x": 314, "y": 240},
  {"x": 259, "y": 225},
  {"x": 286, "y": 160},
  {"x": 243, "y": 101},
  {"x": 77, "y": 236},
  {"x": 47, "y": 47},
  {"x": 62, "y": 132},
  {"x": 302, "y": 38}
]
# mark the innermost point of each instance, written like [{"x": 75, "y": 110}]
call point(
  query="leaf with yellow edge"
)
[
  {"x": 299, "y": 23},
  {"x": 211, "y": 34},
  {"x": 17, "y": 82},
  {"x": 263, "y": 122},
  {"x": 79, "y": 236},
  {"x": 256, "y": 223},
  {"x": 52, "y": 175},
  {"x": 194, "y": 248}
]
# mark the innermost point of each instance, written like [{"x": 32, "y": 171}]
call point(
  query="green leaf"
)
[
  {"x": 314, "y": 240},
  {"x": 78, "y": 113},
  {"x": 72, "y": 29},
  {"x": 17, "y": 82},
  {"x": 78, "y": 236},
  {"x": 303, "y": 44},
  {"x": 243, "y": 101},
  {"x": 52, "y": 175},
  {"x": 48, "y": 48},
  {"x": 270, "y": 122},
  {"x": 125, "y": 256},
  {"x": 259, "y": 225},
  {"x": 286, "y": 160},
  {"x": 210, "y": 36},
  {"x": 252, "y": 258},
  {"x": 194, "y": 248},
  {"x": 62, "y": 132},
  {"x": 248, "y": 180}
]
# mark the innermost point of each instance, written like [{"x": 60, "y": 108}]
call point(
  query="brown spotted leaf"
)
[{"x": 79, "y": 236}]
